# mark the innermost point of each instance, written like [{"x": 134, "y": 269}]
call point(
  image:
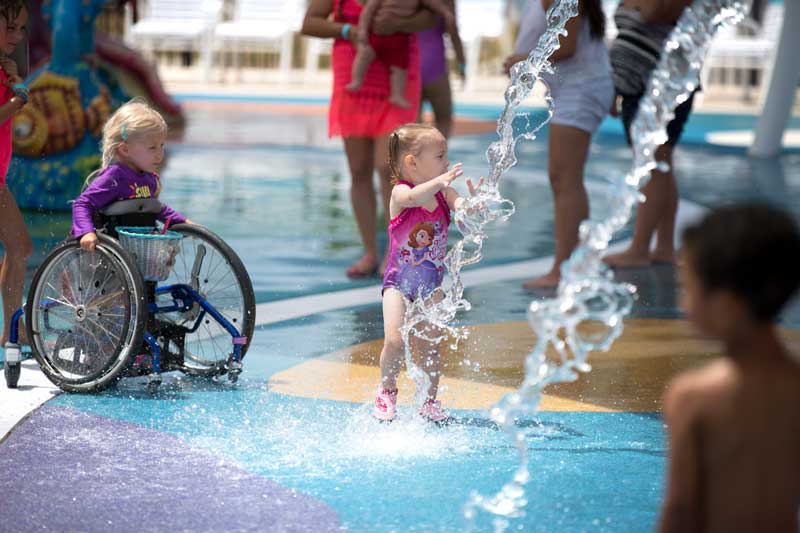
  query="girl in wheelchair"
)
[
  {"x": 133, "y": 149},
  {"x": 122, "y": 299}
]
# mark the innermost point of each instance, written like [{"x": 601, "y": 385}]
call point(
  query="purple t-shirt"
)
[{"x": 116, "y": 182}]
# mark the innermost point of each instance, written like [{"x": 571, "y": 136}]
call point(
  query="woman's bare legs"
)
[
  {"x": 361, "y": 160},
  {"x": 664, "y": 252},
  {"x": 657, "y": 213},
  {"x": 385, "y": 177},
  {"x": 568, "y": 148},
  {"x": 18, "y": 246},
  {"x": 440, "y": 96}
]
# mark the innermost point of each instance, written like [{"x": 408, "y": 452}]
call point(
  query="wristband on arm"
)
[
  {"x": 21, "y": 90},
  {"x": 346, "y": 31}
]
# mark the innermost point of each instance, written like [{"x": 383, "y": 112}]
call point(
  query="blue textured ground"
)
[{"x": 591, "y": 471}]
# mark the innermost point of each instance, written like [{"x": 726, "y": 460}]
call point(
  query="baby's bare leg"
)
[
  {"x": 365, "y": 55},
  {"x": 398, "y": 78}
]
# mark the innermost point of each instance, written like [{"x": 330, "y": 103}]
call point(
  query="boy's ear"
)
[{"x": 728, "y": 308}]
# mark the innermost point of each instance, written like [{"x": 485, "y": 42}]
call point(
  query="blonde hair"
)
[
  {"x": 407, "y": 139},
  {"x": 133, "y": 119}
]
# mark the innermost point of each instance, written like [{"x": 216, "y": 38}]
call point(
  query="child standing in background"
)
[
  {"x": 13, "y": 235},
  {"x": 133, "y": 149}
]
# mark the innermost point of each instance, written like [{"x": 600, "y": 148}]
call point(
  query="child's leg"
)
[
  {"x": 426, "y": 355},
  {"x": 365, "y": 55},
  {"x": 17, "y": 243},
  {"x": 398, "y": 79},
  {"x": 392, "y": 355}
]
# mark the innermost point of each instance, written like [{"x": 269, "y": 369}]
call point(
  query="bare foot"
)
[
  {"x": 548, "y": 281},
  {"x": 366, "y": 266},
  {"x": 399, "y": 101},
  {"x": 627, "y": 259},
  {"x": 667, "y": 257}
]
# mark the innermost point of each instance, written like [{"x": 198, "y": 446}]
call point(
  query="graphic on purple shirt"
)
[
  {"x": 417, "y": 247},
  {"x": 114, "y": 183}
]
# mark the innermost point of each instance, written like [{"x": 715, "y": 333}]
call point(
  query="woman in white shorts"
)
[{"x": 582, "y": 92}]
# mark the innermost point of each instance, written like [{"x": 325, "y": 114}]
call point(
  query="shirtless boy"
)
[{"x": 734, "y": 425}]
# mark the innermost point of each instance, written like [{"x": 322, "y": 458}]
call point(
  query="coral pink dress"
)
[{"x": 367, "y": 112}]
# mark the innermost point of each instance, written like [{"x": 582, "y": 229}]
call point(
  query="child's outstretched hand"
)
[
  {"x": 448, "y": 177},
  {"x": 472, "y": 187},
  {"x": 89, "y": 241}
]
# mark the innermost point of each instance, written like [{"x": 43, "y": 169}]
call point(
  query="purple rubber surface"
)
[{"x": 65, "y": 470}]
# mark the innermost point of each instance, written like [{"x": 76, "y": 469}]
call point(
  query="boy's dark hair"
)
[
  {"x": 9, "y": 9},
  {"x": 752, "y": 250}
]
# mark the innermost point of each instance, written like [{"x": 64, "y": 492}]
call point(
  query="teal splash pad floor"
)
[{"x": 285, "y": 209}]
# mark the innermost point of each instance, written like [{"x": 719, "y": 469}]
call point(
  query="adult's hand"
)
[
  {"x": 385, "y": 23},
  {"x": 511, "y": 60}
]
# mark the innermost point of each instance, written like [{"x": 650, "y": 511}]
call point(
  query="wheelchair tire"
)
[
  {"x": 222, "y": 280},
  {"x": 86, "y": 314}
]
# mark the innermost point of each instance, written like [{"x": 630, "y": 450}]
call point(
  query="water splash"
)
[
  {"x": 431, "y": 319},
  {"x": 587, "y": 312}
]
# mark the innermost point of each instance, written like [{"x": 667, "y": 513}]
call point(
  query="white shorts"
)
[{"x": 582, "y": 104}]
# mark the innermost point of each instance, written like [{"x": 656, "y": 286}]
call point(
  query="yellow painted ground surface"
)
[{"x": 632, "y": 376}]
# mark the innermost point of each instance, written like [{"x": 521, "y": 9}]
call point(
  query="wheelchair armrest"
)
[{"x": 137, "y": 205}]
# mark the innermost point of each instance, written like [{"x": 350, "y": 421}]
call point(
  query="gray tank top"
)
[{"x": 635, "y": 51}]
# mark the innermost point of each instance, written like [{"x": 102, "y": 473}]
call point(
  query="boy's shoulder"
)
[{"x": 692, "y": 389}]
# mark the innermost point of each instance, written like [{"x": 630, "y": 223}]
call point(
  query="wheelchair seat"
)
[{"x": 134, "y": 212}]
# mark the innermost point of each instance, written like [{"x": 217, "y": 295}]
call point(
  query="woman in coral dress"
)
[{"x": 365, "y": 118}]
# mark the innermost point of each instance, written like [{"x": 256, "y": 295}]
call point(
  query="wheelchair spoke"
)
[{"x": 63, "y": 302}]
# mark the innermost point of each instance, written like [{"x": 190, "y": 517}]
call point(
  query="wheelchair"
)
[{"x": 143, "y": 303}]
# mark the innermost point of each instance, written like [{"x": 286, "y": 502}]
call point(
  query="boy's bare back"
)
[{"x": 735, "y": 445}]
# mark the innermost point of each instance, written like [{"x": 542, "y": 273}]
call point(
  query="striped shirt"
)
[{"x": 635, "y": 51}]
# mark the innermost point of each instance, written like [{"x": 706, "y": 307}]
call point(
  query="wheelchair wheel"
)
[
  {"x": 207, "y": 264},
  {"x": 86, "y": 314}
]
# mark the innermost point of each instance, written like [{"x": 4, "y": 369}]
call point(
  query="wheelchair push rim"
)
[
  {"x": 86, "y": 314},
  {"x": 211, "y": 267}
]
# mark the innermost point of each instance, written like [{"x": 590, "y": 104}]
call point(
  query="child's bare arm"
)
[
  {"x": 404, "y": 196},
  {"x": 365, "y": 19},
  {"x": 680, "y": 512}
]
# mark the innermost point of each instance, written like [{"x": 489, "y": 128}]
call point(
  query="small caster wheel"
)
[
  {"x": 13, "y": 364},
  {"x": 234, "y": 369},
  {"x": 12, "y": 372},
  {"x": 153, "y": 383}
]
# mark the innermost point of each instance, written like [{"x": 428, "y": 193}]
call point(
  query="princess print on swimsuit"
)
[{"x": 421, "y": 259}]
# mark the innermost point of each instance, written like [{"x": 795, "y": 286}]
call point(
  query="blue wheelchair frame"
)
[{"x": 183, "y": 299}]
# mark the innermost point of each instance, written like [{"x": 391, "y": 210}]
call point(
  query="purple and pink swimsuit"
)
[{"x": 417, "y": 246}]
